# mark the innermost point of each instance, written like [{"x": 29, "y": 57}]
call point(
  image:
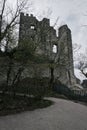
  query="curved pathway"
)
[{"x": 63, "y": 115}]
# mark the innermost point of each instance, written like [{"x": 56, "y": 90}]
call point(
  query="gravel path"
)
[{"x": 63, "y": 115}]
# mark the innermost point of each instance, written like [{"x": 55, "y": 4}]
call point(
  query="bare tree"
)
[
  {"x": 81, "y": 58},
  {"x": 9, "y": 20},
  {"x": 10, "y": 17}
]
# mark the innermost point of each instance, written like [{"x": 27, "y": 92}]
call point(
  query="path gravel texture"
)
[{"x": 63, "y": 115}]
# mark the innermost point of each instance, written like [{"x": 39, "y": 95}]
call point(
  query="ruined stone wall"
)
[
  {"x": 45, "y": 38},
  {"x": 65, "y": 52},
  {"x": 0, "y": 24},
  {"x": 38, "y": 31}
]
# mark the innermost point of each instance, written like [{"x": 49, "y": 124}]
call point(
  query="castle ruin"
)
[{"x": 58, "y": 49}]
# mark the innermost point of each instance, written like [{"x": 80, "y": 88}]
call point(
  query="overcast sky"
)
[{"x": 70, "y": 12}]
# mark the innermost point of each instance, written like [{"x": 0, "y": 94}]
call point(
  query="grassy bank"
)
[{"x": 11, "y": 105}]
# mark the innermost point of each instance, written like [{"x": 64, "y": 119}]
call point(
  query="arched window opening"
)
[{"x": 54, "y": 49}]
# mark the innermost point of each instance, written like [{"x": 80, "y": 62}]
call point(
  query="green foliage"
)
[
  {"x": 10, "y": 105},
  {"x": 26, "y": 52},
  {"x": 40, "y": 59}
]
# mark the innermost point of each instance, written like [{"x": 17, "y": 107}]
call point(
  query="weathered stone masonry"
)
[{"x": 44, "y": 36}]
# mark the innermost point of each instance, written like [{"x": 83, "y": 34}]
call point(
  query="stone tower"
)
[
  {"x": 0, "y": 25},
  {"x": 44, "y": 36},
  {"x": 38, "y": 31}
]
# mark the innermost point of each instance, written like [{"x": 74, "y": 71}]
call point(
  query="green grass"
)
[{"x": 11, "y": 105}]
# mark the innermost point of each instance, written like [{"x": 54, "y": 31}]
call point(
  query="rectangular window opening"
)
[
  {"x": 54, "y": 49},
  {"x": 32, "y": 27}
]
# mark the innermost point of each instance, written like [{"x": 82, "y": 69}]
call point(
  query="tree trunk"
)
[{"x": 52, "y": 76}]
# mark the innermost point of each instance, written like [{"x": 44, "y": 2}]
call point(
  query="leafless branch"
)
[
  {"x": 20, "y": 5},
  {"x": 56, "y": 22}
]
